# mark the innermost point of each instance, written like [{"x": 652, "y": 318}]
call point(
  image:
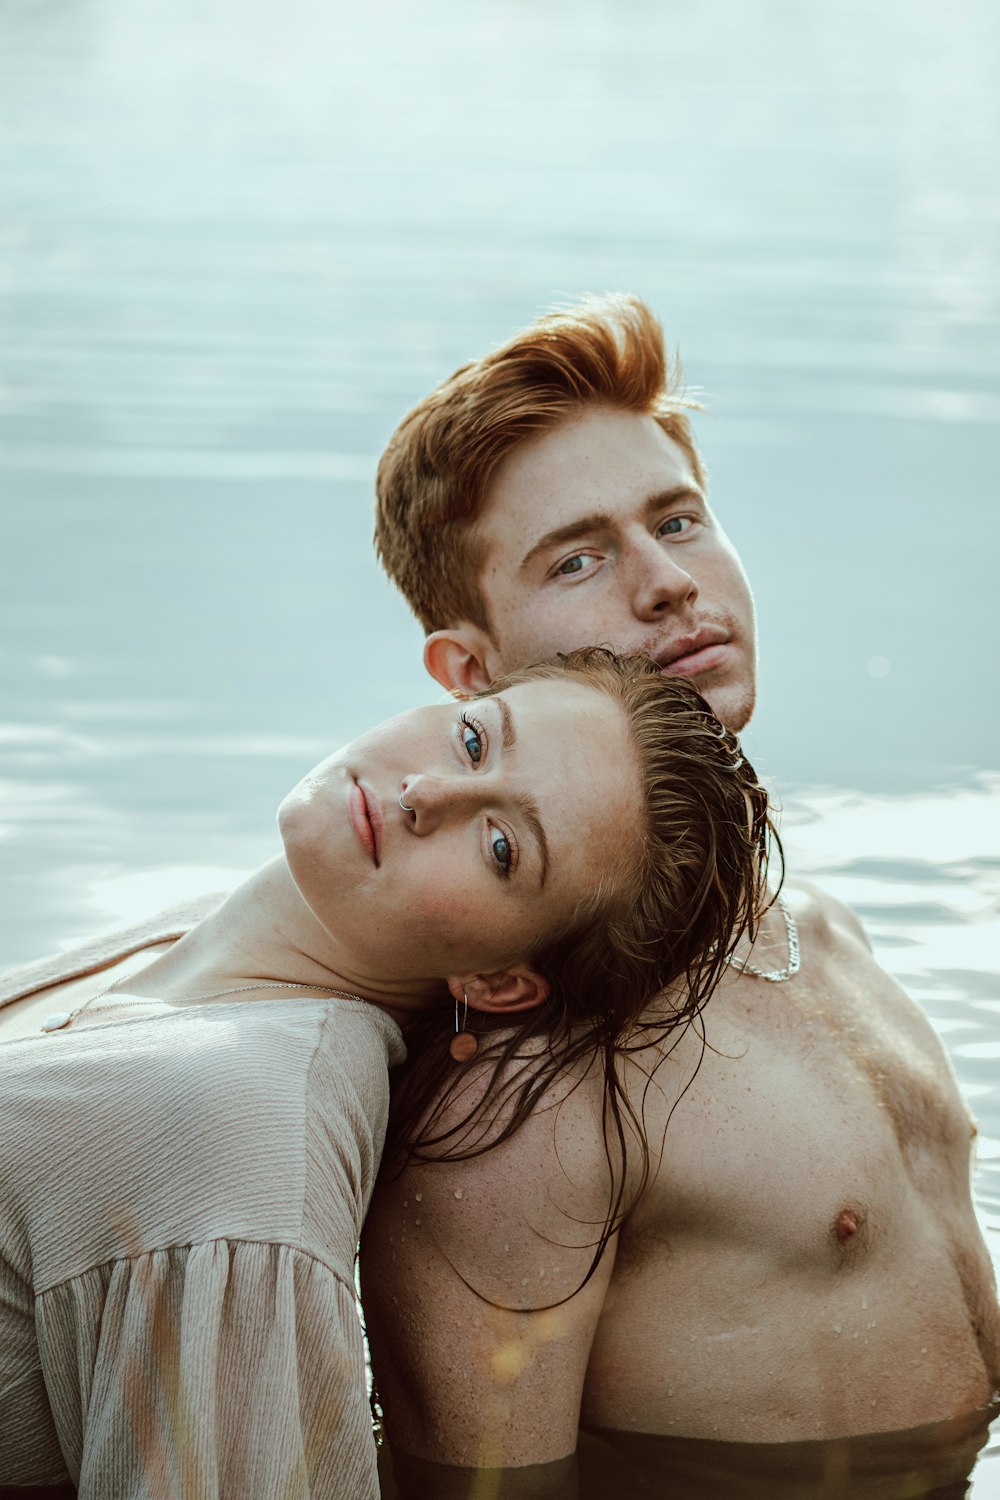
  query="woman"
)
[{"x": 188, "y": 1148}]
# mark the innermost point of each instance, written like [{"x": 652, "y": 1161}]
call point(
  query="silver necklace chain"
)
[
  {"x": 60, "y": 1019},
  {"x": 775, "y": 976}
]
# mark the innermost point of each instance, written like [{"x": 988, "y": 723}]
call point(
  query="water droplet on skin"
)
[
  {"x": 458, "y": 1193},
  {"x": 524, "y": 1281},
  {"x": 419, "y": 1197},
  {"x": 406, "y": 1202},
  {"x": 923, "y": 1351},
  {"x": 872, "y": 1323},
  {"x": 507, "y": 1247},
  {"x": 864, "y": 1304},
  {"x": 541, "y": 1273},
  {"x": 837, "y": 1329},
  {"x": 417, "y": 1223}
]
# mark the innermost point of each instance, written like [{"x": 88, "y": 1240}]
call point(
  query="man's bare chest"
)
[{"x": 819, "y": 1118}]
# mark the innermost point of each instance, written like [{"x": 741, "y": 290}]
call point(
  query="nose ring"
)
[{"x": 404, "y": 805}]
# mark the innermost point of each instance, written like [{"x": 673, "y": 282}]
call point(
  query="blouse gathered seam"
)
[{"x": 215, "y": 1239}]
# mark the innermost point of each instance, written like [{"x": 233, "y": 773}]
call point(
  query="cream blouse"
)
[{"x": 181, "y": 1196}]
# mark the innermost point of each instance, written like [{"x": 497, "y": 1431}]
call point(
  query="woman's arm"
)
[
  {"x": 220, "y": 1368},
  {"x": 479, "y": 1323}
]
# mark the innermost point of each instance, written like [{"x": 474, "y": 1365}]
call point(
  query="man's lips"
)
[
  {"x": 365, "y": 812},
  {"x": 691, "y": 655}
]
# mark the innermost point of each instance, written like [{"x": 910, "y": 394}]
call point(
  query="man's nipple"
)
[{"x": 846, "y": 1225}]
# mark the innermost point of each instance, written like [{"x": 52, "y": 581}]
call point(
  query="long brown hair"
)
[
  {"x": 435, "y": 472},
  {"x": 662, "y": 927}
]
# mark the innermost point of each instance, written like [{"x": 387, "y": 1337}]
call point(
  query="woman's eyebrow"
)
[
  {"x": 509, "y": 733},
  {"x": 529, "y": 811},
  {"x": 527, "y": 805}
]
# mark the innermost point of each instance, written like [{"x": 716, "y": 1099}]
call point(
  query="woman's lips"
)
[{"x": 365, "y": 813}]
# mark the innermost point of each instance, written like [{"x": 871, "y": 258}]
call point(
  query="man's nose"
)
[
  {"x": 659, "y": 582},
  {"x": 428, "y": 800}
]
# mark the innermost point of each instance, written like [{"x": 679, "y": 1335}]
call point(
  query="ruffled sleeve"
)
[{"x": 209, "y": 1371}]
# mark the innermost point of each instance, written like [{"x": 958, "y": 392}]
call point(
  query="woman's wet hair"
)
[{"x": 643, "y": 951}]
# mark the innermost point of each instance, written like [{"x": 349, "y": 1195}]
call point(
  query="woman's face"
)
[{"x": 521, "y": 804}]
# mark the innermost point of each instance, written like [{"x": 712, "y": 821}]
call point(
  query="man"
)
[{"x": 802, "y": 1260}]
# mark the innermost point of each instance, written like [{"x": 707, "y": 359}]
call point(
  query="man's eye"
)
[
  {"x": 575, "y": 564},
  {"x": 502, "y": 851},
  {"x": 472, "y": 739},
  {"x": 674, "y": 525}
]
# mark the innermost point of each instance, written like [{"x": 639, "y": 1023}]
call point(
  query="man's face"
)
[{"x": 597, "y": 533}]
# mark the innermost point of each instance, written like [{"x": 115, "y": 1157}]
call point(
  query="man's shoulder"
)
[{"x": 825, "y": 924}]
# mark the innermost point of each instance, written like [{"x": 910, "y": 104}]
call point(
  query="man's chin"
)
[{"x": 733, "y": 704}]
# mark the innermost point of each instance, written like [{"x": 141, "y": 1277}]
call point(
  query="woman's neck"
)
[{"x": 265, "y": 932}]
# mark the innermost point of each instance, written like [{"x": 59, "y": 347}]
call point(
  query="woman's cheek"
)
[{"x": 458, "y": 925}]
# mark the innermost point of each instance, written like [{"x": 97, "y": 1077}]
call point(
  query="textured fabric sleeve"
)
[{"x": 219, "y": 1371}]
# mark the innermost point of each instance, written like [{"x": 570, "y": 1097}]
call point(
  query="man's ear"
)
[
  {"x": 460, "y": 659},
  {"x": 517, "y": 988}
]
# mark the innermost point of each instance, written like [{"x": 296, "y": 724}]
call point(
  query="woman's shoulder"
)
[{"x": 348, "y": 1083}]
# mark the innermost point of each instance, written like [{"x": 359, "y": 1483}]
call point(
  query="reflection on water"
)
[{"x": 239, "y": 240}]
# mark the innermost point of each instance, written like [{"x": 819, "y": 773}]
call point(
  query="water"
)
[{"x": 238, "y": 240}]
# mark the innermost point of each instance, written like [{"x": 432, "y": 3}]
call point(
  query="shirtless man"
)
[{"x": 803, "y": 1260}]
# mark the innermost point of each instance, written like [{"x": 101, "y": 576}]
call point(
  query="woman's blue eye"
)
[
  {"x": 502, "y": 851},
  {"x": 473, "y": 741}
]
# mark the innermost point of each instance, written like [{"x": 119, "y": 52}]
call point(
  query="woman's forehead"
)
[
  {"x": 575, "y": 738},
  {"x": 564, "y": 693}
]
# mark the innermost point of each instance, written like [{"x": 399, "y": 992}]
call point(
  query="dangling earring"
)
[{"x": 463, "y": 1045}]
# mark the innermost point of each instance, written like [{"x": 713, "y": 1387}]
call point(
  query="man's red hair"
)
[{"x": 434, "y": 475}]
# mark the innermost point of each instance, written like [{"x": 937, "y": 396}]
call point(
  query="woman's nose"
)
[{"x": 428, "y": 800}]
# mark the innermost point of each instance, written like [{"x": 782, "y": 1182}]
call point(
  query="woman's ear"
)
[
  {"x": 459, "y": 659},
  {"x": 517, "y": 988}
]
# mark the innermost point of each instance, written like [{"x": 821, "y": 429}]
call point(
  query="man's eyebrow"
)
[
  {"x": 602, "y": 520},
  {"x": 597, "y": 520},
  {"x": 527, "y": 805},
  {"x": 676, "y": 492}
]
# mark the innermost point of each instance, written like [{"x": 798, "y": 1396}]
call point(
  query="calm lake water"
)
[{"x": 238, "y": 240}]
